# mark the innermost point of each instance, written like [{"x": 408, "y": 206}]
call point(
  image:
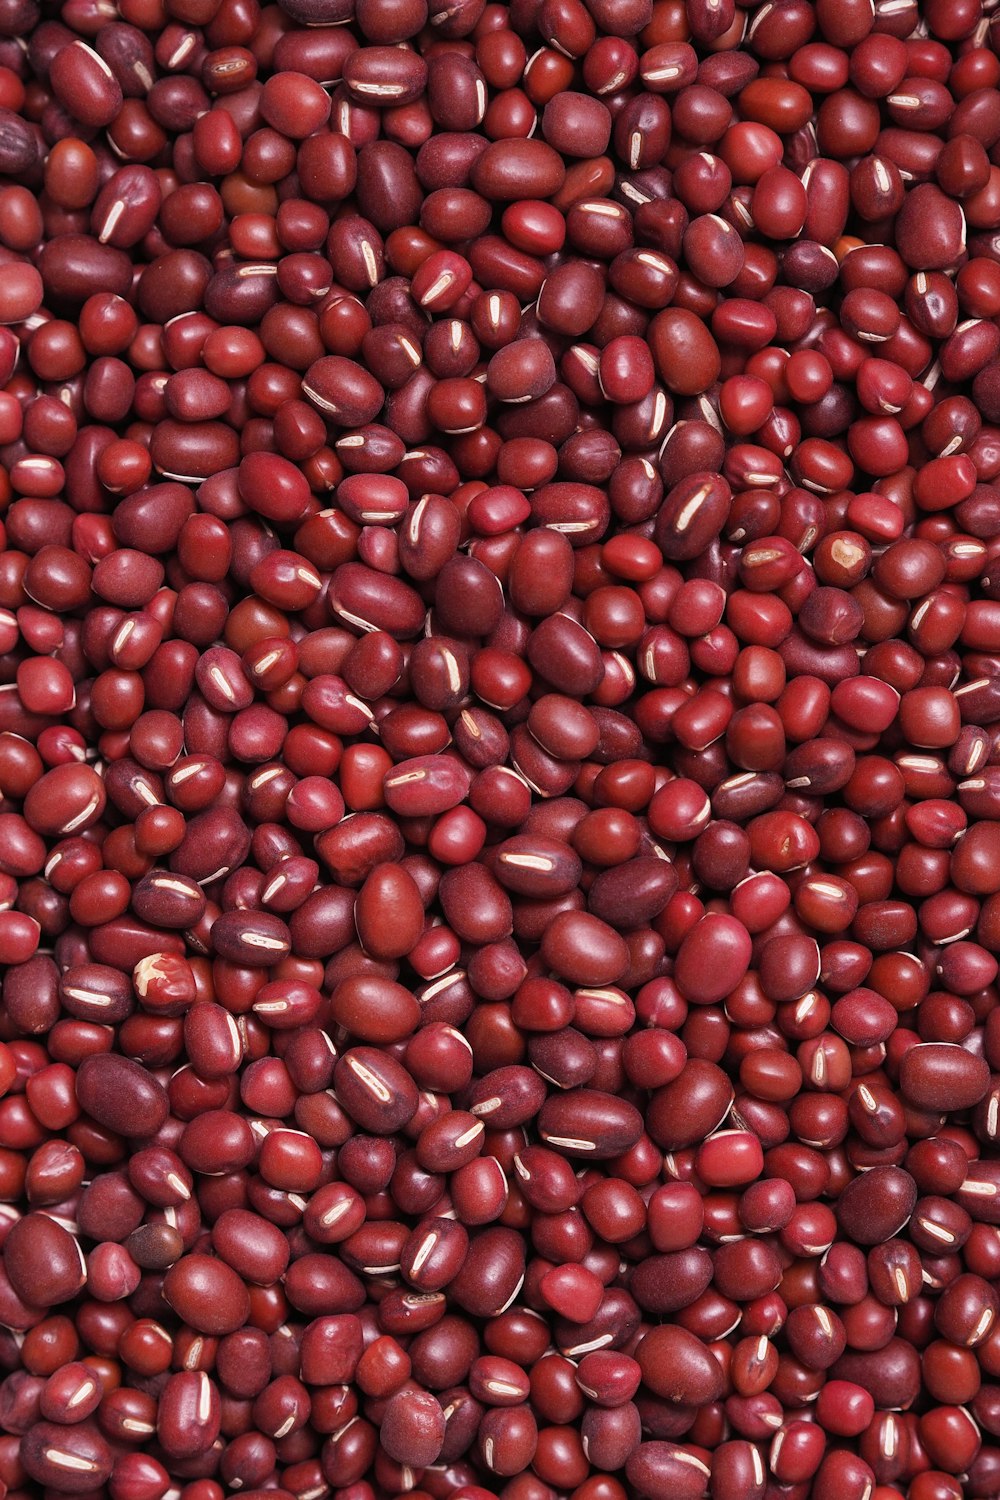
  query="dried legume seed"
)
[{"x": 499, "y": 852}]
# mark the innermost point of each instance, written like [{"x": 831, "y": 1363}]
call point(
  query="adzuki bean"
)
[{"x": 499, "y": 750}]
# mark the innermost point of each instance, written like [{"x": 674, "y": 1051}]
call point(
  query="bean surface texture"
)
[{"x": 499, "y": 749}]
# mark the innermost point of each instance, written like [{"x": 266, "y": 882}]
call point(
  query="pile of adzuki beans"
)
[{"x": 499, "y": 751}]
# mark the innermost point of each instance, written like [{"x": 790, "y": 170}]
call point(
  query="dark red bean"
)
[
  {"x": 942, "y": 1076},
  {"x": 663, "y": 1467},
  {"x": 120, "y": 1093},
  {"x": 514, "y": 169},
  {"x": 189, "y": 1414},
  {"x": 375, "y": 1091},
  {"x": 61, "y": 1457},
  {"x": 207, "y": 1293},
  {"x": 588, "y": 1123},
  {"x": 43, "y": 1260},
  {"x": 876, "y": 1204},
  {"x": 492, "y": 1274},
  {"x": 677, "y": 1366},
  {"x": 499, "y": 871}
]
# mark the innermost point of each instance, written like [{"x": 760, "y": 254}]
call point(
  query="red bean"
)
[
  {"x": 119, "y": 1093},
  {"x": 514, "y": 169},
  {"x": 189, "y": 1415},
  {"x": 59, "y": 1457},
  {"x": 376, "y": 1091},
  {"x": 714, "y": 956},
  {"x": 207, "y": 1293},
  {"x": 85, "y": 85},
  {"x": 43, "y": 1260},
  {"x": 875, "y": 1205},
  {"x": 676, "y": 1366},
  {"x": 589, "y": 1124},
  {"x": 499, "y": 864},
  {"x": 939, "y": 1075}
]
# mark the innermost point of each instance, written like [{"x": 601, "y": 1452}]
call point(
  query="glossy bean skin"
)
[{"x": 499, "y": 830}]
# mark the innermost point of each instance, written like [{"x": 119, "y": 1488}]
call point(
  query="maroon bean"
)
[
  {"x": 364, "y": 599},
  {"x": 253, "y": 939},
  {"x": 632, "y": 894},
  {"x": 255, "y": 1249},
  {"x": 214, "y": 843},
  {"x": 877, "y": 1204},
  {"x": 413, "y": 1428},
  {"x": 584, "y": 949},
  {"x": 930, "y": 229},
  {"x": 120, "y": 1093},
  {"x": 374, "y": 1010},
  {"x": 943, "y": 1076},
  {"x": 43, "y": 1260},
  {"x": 339, "y": 388},
  {"x": 434, "y": 1253},
  {"x": 330, "y": 1350},
  {"x": 667, "y": 1283},
  {"x": 507, "y": 1097},
  {"x": 522, "y": 371},
  {"x": 189, "y": 1414},
  {"x": 656, "y": 1468},
  {"x": 729, "y": 945},
  {"x": 425, "y": 785},
  {"x": 85, "y": 85},
  {"x": 542, "y": 711},
  {"x": 71, "y": 1393},
  {"x": 513, "y": 169},
  {"x": 60, "y": 1457},
  {"x": 207, "y": 1293},
  {"x": 537, "y": 867},
  {"x": 589, "y": 1123},
  {"x": 690, "y": 1107},
  {"x": 492, "y": 1274},
  {"x": 475, "y": 905},
  {"x": 692, "y": 516},
  {"x": 67, "y": 799},
  {"x": 18, "y": 146},
  {"x": 677, "y": 1366},
  {"x": 375, "y": 1090}
]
